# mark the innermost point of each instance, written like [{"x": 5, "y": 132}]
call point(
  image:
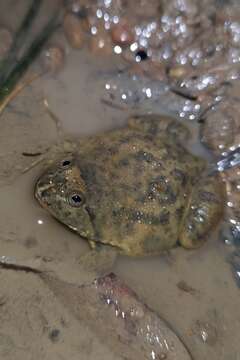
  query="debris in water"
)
[
  {"x": 74, "y": 31},
  {"x": 53, "y": 59},
  {"x": 31, "y": 154},
  {"x": 131, "y": 328},
  {"x": 182, "y": 285},
  {"x": 206, "y": 331},
  {"x": 54, "y": 335},
  {"x": 110, "y": 309}
]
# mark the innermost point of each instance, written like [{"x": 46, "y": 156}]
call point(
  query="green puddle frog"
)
[{"x": 136, "y": 188}]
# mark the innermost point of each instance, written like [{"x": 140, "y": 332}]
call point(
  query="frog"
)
[{"x": 136, "y": 189}]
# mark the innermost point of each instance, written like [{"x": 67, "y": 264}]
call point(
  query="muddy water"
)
[{"x": 193, "y": 290}]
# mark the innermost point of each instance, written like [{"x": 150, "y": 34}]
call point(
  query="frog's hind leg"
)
[
  {"x": 158, "y": 125},
  {"x": 204, "y": 211}
]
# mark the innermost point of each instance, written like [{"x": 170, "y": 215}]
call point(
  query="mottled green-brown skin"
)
[{"x": 141, "y": 190}]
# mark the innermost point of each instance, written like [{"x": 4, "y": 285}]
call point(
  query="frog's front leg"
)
[
  {"x": 204, "y": 211},
  {"x": 159, "y": 125},
  {"x": 100, "y": 259}
]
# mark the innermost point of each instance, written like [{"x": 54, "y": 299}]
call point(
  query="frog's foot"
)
[
  {"x": 203, "y": 213},
  {"x": 99, "y": 260},
  {"x": 158, "y": 125}
]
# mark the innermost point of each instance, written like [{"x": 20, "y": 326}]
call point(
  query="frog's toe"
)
[{"x": 204, "y": 212}]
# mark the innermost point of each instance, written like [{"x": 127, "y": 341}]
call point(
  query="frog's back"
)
[{"x": 136, "y": 187}]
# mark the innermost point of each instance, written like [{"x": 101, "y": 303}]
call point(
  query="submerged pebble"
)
[
  {"x": 74, "y": 31},
  {"x": 206, "y": 332},
  {"x": 54, "y": 335},
  {"x": 137, "y": 337},
  {"x": 99, "y": 43},
  {"x": 53, "y": 59},
  {"x": 122, "y": 35}
]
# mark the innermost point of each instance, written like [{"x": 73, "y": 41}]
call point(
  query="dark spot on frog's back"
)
[
  {"x": 164, "y": 217},
  {"x": 127, "y": 139},
  {"x": 146, "y": 156},
  {"x": 207, "y": 196},
  {"x": 93, "y": 178},
  {"x": 123, "y": 162},
  {"x": 106, "y": 151},
  {"x": 138, "y": 158},
  {"x": 88, "y": 171},
  {"x": 179, "y": 213},
  {"x": 180, "y": 176},
  {"x": 112, "y": 150}
]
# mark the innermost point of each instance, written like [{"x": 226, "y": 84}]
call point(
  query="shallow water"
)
[{"x": 207, "y": 317}]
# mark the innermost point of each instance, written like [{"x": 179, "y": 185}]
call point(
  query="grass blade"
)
[
  {"x": 9, "y": 62},
  {"x": 27, "y": 59}
]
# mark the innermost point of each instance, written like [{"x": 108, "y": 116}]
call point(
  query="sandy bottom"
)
[{"x": 34, "y": 324}]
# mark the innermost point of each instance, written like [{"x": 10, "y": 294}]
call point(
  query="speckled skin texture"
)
[{"x": 138, "y": 189}]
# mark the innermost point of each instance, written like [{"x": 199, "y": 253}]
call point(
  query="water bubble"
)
[
  {"x": 117, "y": 49},
  {"x": 99, "y": 13},
  {"x": 93, "y": 30}
]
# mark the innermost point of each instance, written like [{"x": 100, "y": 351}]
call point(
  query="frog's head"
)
[{"x": 61, "y": 190}]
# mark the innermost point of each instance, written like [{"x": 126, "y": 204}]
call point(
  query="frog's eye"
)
[
  {"x": 76, "y": 199},
  {"x": 66, "y": 163}
]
